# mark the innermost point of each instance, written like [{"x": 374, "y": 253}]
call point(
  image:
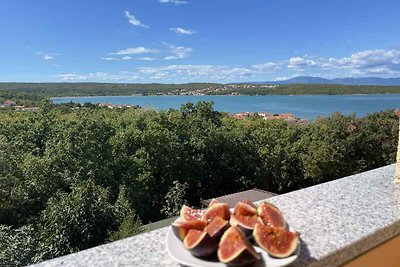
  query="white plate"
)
[{"x": 180, "y": 254}]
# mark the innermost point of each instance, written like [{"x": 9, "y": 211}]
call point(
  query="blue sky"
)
[{"x": 178, "y": 41}]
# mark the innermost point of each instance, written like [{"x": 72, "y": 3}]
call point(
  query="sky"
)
[{"x": 181, "y": 41}]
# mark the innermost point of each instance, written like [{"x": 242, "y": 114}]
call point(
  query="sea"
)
[{"x": 301, "y": 106}]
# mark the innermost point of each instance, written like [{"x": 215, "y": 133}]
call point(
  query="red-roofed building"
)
[{"x": 239, "y": 116}]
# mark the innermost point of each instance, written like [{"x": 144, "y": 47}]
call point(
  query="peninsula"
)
[{"x": 112, "y": 89}]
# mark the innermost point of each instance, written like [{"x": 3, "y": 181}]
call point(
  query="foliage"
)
[
  {"x": 21, "y": 98},
  {"x": 310, "y": 89},
  {"x": 174, "y": 199},
  {"x": 36, "y": 91},
  {"x": 130, "y": 226},
  {"x": 17, "y": 246},
  {"x": 71, "y": 178},
  {"x": 75, "y": 221},
  {"x": 91, "y": 89}
]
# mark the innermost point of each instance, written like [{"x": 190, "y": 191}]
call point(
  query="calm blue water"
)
[{"x": 302, "y": 106}]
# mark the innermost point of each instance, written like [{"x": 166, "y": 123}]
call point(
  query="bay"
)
[{"x": 302, "y": 106}]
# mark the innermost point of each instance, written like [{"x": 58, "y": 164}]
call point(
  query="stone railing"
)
[
  {"x": 397, "y": 175},
  {"x": 338, "y": 221}
]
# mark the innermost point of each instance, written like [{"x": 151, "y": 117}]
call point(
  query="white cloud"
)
[
  {"x": 182, "y": 31},
  {"x": 110, "y": 59},
  {"x": 376, "y": 61},
  {"x": 300, "y": 62},
  {"x": 267, "y": 67},
  {"x": 199, "y": 72},
  {"x": 383, "y": 63},
  {"x": 134, "y": 51},
  {"x": 134, "y": 21},
  {"x": 178, "y": 52},
  {"x": 166, "y": 73},
  {"x": 148, "y": 58},
  {"x": 282, "y": 78},
  {"x": 126, "y": 58},
  {"x": 98, "y": 76},
  {"x": 47, "y": 56},
  {"x": 176, "y": 2},
  {"x": 367, "y": 62}
]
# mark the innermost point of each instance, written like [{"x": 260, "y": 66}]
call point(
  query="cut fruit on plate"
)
[
  {"x": 181, "y": 228},
  {"x": 191, "y": 214},
  {"x": 177, "y": 251},
  {"x": 200, "y": 243},
  {"x": 235, "y": 249},
  {"x": 271, "y": 215},
  {"x": 277, "y": 242}
]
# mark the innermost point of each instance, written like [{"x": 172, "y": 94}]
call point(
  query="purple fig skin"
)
[
  {"x": 217, "y": 227},
  {"x": 235, "y": 249},
  {"x": 244, "y": 259},
  {"x": 204, "y": 246}
]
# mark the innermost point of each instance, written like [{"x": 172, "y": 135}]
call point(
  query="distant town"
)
[
  {"x": 267, "y": 116},
  {"x": 13, "y": 105},
  {"x": 220, "y": 89}
]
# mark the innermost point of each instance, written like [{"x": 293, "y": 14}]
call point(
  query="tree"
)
[
  {"x": 75, "y": 221},
  {"x": 17, "y": 246},
  {"x": 174, "y": 199}
]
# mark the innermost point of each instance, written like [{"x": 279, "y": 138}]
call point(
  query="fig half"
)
[
  {"x": 190, "y": 214},
  {"x": 181, "y": 228},
  {"x": 277, "y": 242},
  {"x": 235, "y": 249},
  {"x": 246, "y": 217},
  {"x": 271, "y": 215},
  {"x": 217, "y": 209},
  {"x": 217, "y": 227},
  {"x": 199, "y": 243},
  {"x": 242, "y": 208}
]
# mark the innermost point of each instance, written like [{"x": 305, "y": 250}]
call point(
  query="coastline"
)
[
  {"x": 302, "y": 106},
  {"x": 166, "y": 95}
]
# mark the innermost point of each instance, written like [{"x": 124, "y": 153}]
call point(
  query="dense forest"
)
[
  {"x": 92, "y": 89},
  {"x": 24, "y": 99},
  {"x": 96, "y": 89},
  {"x": 313, "y": 89},
  {"x": 73, "y": 179}
]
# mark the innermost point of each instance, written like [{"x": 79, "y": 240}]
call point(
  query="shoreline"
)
[{"x": 94, "y": 96}]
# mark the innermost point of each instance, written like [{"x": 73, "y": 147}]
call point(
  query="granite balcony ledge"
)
[{"x": 338, "y": 221}]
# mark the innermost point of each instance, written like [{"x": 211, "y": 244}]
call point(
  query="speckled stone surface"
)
[{"x": 337, "y": 221}]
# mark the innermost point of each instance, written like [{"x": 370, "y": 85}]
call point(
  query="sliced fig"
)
[
  {"x": 248, "y": 202},
  {"x": 217, "y": 227},
  {"x": 244, "y": 209},
  {"x": 245, "y": 223},
  {"x": 217, "y": 209},
  {"x": 199, "y": 243},
  {"x": 191, "y": 214},
  {"x": 213, "y": 201},
  {"x": 182, "y": 228},
  {"x": 235, "y": 249},
  {"x": 277, "y": 242},
  {"x": 271, "y": 215}
]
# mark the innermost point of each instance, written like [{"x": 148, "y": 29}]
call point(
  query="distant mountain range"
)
[{"x": 347, "y": 81}]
